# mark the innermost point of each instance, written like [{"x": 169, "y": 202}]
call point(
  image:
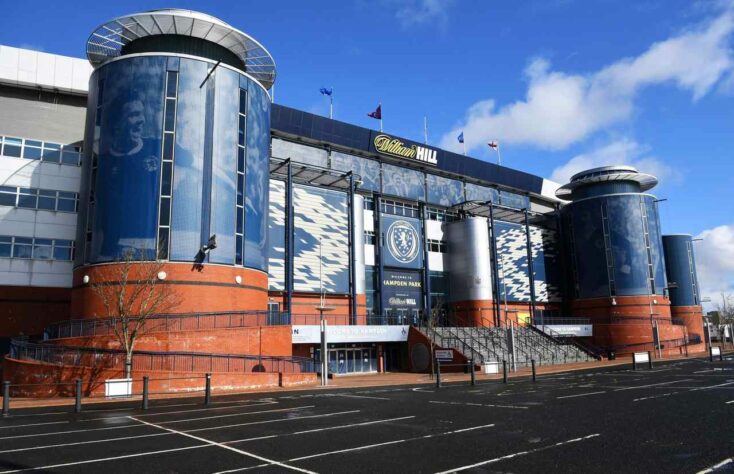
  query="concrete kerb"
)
[{"x": 354, "y": 381}]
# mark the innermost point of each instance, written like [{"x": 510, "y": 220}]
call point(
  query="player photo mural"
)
[{"x": 129, "y": 161}]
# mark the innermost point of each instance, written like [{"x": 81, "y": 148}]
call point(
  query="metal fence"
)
[{"x": 165, "y": 361}]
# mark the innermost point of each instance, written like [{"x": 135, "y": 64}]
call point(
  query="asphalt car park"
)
[{"x": 676, "y": 417}]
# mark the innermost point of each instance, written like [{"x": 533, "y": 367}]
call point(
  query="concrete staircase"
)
[{"x": 491, "y": 344}]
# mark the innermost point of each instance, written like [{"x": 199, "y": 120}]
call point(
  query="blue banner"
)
[{"x": 402, "y": 244}]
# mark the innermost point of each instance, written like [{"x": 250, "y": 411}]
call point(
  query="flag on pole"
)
[
  {"x": 461, "y": 137},
  {"x": 377, "y": 114},
  {"x": 493, "y": 144},
  {"x": 325, "y": 91}
]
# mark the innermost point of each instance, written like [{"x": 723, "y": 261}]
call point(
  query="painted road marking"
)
[
  {"x": 716, "y": 467},
  {"x": 357, "y": 396},
  {"x": 229, "y": 448},
  {"x": 521, "y": 453},
  {"x": 478, "y": 405},
  {"x": 581, "y": 395},
  {"x": 651, "y": 385},
  {"x": 697, "y": 389}
]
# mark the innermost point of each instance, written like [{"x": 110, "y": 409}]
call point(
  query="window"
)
[
  {"x": 441, "y": 215},
  {"x": 369, "y": 237},
  {"x": 240, "y": 205},
  {"x": 22, "y": 247},
  {"x": 437, "y": 246},
  {"x": 399, "y": 208},
  {"x": 369, "y": 204},
  {"x": 39, "y": 150},
  {"x": 166, "y": 189},
  {"x": 36, "y": 248},
  {"x": 41, "y": 199}
]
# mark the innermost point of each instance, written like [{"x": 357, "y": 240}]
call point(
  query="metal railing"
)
[
  {"x": 163, "y": 361},
  {"x": 203, "y": 321}
]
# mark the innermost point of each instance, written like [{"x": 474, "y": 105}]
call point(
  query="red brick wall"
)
[
  {"x": 272, "y": 340},
  {"x": 27, "y": 310},
  {"x": 213, "y": 289},
  {"x": 55, "y": 380}
]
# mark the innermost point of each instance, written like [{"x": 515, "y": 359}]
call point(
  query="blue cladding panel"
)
[
  {"x": 403, "y": 182},
  {"x": 188, "y": 170},
  {"x": 656, "y": 245},
  {"x": 590, "y": 261},
  {"x": 320, "y": 215},
  {"x": 475, "y": 192},
  {"x": 444, "y": 191},
  {"x": 257, "y": 178},
  {"x": 402, "y": 242},
  {"x": 628, "y": 245},
  {"x": 224, "y": 166},
  {"x": 276, "y": 236},
  {"x": 368, "y": 170},
  {"x": 513, "y": 263},
  {"x": 129, "y": 159},
  {"x": 681, "y": 270}
]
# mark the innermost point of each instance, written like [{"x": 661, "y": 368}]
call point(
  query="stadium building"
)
[{"x": 165, "y": 146}]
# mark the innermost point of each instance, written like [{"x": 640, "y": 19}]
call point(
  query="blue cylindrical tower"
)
[
  {"x": 680, "y": 267},
  {"x": 177, "y": 146},
  {"x": 616, "y": 252}
]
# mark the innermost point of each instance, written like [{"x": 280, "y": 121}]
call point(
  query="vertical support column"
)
[
  {"x": 495, "y": 267},
  {"x": 350, "y": 240},
  {"x": 426, "y": 276},
  {"x": 531, "y": 276},
  {"x": 378, "y": 257},
  {"x": 563, "y": 258},
  {"x": 289, "y": 248}
]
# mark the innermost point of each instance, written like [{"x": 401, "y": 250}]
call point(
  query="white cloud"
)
[
  {"x": 621, "y": 152},
  {"x": 560, "y": 109},
  {"x": 715, "y": 261},
  {"x": 418, "y": 12}
]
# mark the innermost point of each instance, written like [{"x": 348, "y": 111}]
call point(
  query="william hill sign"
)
[{"x": 390, "y": 146}]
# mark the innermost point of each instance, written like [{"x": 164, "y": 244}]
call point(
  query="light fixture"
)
[
  {"x": 85, "y": 279},
  {"x": 614, "y": 301},
  {"x": 162, "y": 275},
  {"x": 238, "y": 279}
]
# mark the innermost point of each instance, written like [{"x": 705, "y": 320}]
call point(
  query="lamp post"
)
[{"x": 323, "y": 323}]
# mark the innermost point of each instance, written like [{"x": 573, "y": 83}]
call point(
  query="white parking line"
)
[
  {"x": 580, "y": 395},
  {"x": 715, "y": 467},
  {"x": 651, "y": 385},
  {"x": 323, "y": 415},
  {"x": 521, "y": 453},
  {"x": 730, "y": 402},
  {"x": 230, "y": 448},
  {"x": 230, "y": 415},
  {"x": 127, "y": 426},
  {"x": 369, "y": 446},
  {"x": 479, "y": 405},
  {"x": 358, "y": 396},
  {"x": 697, "y": 389}
]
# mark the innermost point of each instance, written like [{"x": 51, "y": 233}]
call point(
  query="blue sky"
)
[{"x": 561, "y": 84}]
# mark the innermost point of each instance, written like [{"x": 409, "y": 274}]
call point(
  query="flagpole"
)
[
  {"x": 380, "y": 105},
  {"x": 463, "y": 144},
  {"x": 331, "y": 103},
  {"x": 425, "y": 129},
  {"x": 499, "y": 157}
]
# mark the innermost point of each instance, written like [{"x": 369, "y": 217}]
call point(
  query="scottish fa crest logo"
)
[{"x": 402, "y": 241}]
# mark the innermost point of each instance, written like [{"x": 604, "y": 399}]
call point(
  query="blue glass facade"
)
[
  {"x": 680, "y": 266},
  {"x": 616, "y": 246},
  {"x": 153, "y": 113}
]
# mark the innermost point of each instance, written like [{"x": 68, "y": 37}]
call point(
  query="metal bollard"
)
[
  {"x": 145, "y": 392},
  {"x": 532, "y": 365},
  {"x": 438, "y": 374},
  {"x": 6, "y": 398},
  {"x": 634, "y": 362},
  {"x": 649, "y": 359},
  {"x": 721, "y": 355},
  {"x": 78, "y": 401},
  {"x": 208, "y": 390},
  {"x": 472, "y": 372},
  {"x": 504, "y": 371},
  {"x": 711, "y": 353}
]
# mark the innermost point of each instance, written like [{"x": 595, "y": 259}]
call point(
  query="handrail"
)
[
  {"x": 210, "y": 320},
  {"x": 153, "y": 360}
]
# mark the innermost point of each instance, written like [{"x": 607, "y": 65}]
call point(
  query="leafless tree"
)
[
  {"x": 131, "y": 292},
  {"x": 725, "y": 309}
]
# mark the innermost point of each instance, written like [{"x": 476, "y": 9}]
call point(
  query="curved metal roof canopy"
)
[
  {"x": 605, "y": 174},
  {"x": 107, "y": 40}
]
